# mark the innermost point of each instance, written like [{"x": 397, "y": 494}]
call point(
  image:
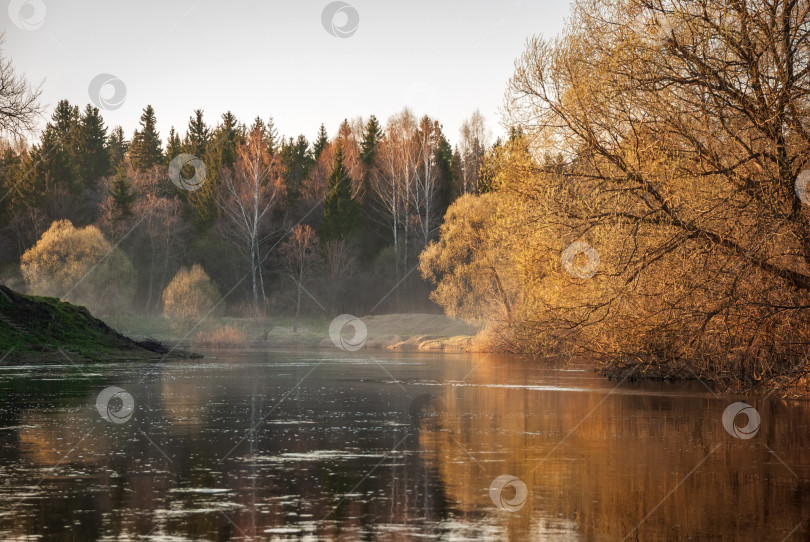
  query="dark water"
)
[{"x": 319, "y": 445}]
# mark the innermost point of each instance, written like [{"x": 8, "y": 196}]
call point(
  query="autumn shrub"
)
[
  {"x": 79, "y": 265},
  {"x": 228, "y": 336},
  {"x": 190, "y": 296}
]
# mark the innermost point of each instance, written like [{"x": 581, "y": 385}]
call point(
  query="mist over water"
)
[{"x": 390, "y": 447}]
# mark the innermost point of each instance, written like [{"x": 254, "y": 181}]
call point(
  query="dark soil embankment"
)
[{"x": 46, "y": 329}]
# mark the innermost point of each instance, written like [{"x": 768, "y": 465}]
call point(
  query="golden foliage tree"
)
[
  {"x": 79, "y": 265},
  {"x": 671, "y": 138},
  {"x": 190, "y": 296},
  {"x": 472, "y": 264}
]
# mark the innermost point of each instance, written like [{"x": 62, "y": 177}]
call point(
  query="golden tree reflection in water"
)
[{"x": 335, "y": 459}]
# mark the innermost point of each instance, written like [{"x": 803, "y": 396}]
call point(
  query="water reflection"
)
[{"x": 290, "y": 445}]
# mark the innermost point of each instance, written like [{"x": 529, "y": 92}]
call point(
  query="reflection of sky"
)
[{"x": 275, "y": 58}]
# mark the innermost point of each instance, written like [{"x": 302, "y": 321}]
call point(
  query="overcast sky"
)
[{"x": 443, "y": 58}]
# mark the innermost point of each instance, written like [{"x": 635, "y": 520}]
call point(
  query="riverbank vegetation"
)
[
  {"x": 649, "y": 210},
  {"x": 47, "y": 330},
  {"x": 326, "y": 226}
]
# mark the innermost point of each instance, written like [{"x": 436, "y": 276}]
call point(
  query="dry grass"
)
[{"x": 228, "y": 336}]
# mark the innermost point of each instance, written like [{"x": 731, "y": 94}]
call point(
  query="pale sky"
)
[{"x": 442, "y": 58}]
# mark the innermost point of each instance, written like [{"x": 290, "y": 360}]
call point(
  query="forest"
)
[
  {"x": 646, "y": 208},
  {"x": 246, "y": 219}
]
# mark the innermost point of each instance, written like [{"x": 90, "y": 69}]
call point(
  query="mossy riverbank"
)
[{"x": 45, "y": 329}]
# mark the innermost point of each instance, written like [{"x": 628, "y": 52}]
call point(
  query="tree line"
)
[{"x": 278, "y": 223}]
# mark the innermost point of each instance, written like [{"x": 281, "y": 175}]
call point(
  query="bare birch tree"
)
[
  {"x": 299, "y": 252},
  {"x": 472, "y": 146},
  {"x": 393, "y": 182},
  {"x": 249, "y": 195}
]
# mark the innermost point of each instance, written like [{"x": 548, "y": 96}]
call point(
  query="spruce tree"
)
[
  {"x": 455, "y": 165},
  {"x": 173, "y": 146},
  {"x": 296, "y": 159},
  {"x": 320, "y": 143},
  {"x": 444, "y": 161},
  {"x": 345, "y": 130},
  {"x": 10, "y": 175},
  {"x": 198, "y": 135},
  {"x": 145, "y": 150},
  {"x": 93, "y": 159},
  {"x": 65, "y": 124},
  {"x": 341, "y": 213},
  {"x": 226, "y": 137},
  {"x": 371, "y": 242},
  {"x": 53, "y": 161},
  {"x": 371, "y": 138},
  {"x": 121, "y": 192},
  {"x": 117, "y": 147},
  {"x": 272, "y": 136}
]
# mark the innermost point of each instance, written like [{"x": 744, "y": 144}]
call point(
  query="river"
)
[{"x": 319, "y": 445}]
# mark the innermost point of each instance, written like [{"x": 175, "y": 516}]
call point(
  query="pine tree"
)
[
  {"x": 198, "y": 135},
  {"x": 371, "y": 242},
  {"x": 65, "y": 124},
  {"x": 10, "y": 175},
  {"x": 121, "y": 192},
  {"x": 226, "y": 138},
  {"x": 297, "y": 160},
  {"x": 258, "y": 124},
  {"x": 93, "y": 159},
  {"x": 371, "y": 138},
  {"x": 456, "y": 165},
  {"x": 173, "y": 145},
  {"x": 52, "y": 163},
  {"x": 320, "y": 143},
  {"x": 117, "y": 147},
  {"x": 444, "y": 161},
  {"x": 272, "y": 136},
  {"x": 345, "y": 131},
  {"x": 65, "y": 127},
  {"x": 145, "y": 150},
  {"x": 341, "y": 213}
]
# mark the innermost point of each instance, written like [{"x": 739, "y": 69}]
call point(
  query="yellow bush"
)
[
  {"x": 80, "y": 266},
  {"x": 190, "y": 296}
]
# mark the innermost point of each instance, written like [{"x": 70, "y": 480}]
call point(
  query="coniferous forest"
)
[{"x": 341, "y": 216}]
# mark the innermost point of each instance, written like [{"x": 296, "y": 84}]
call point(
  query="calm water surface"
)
[{"x": 318, "y": 445}]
